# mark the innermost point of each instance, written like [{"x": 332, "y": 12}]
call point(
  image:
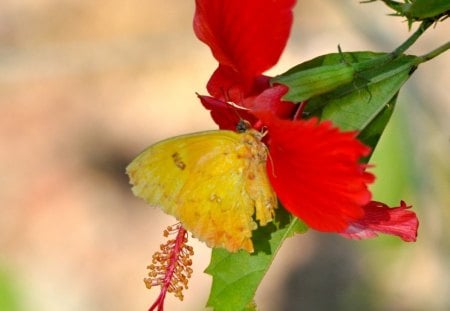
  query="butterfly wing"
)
[{"x": 208, "y": 181}]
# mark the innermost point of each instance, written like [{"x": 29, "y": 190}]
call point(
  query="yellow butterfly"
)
[{"x": 213, "y": 182}]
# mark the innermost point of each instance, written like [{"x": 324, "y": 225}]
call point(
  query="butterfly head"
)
[{"x": 243, "y": 126}]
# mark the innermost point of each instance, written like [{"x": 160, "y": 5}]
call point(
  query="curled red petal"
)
[
  {"x": 246, "y": 37},
  {"x": 226, "y": 115},
  {"x": 380, "y": 218},
  {"x": 229, "y": 85},
  {"x": 315, "y": 171}
]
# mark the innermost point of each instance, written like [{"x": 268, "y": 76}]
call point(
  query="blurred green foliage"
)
[{"x": 9, "y": 296}]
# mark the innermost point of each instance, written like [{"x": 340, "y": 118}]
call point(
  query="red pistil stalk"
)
[{"x": 170, "y": 268}]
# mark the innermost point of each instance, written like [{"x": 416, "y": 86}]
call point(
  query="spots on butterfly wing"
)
[
  {"x": 251, "y": 175},
  {"x": 178, "y": 162},
  {"x": 215, "y": 198}
]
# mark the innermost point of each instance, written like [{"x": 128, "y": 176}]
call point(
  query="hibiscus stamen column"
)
[{"x": 170, "y": 267}]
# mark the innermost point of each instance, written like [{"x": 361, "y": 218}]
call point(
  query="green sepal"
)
[
  {"x": 328, "y": 72},
  {"x": 419, "y": 10},
  {"x": 304, "y": 84}
]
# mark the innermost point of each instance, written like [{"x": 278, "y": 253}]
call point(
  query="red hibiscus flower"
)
[
  {"x": 313, "y": 167},
  {"x": 247, "y": 38}
]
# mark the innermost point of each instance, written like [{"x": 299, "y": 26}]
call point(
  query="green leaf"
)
[
  {"x": 372, "y": 133},
  {"x": 236, "y": 276}
]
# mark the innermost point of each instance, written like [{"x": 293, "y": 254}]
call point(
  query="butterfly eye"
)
[{"x": 243, "y": 126}]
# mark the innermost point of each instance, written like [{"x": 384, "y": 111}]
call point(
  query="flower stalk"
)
[
  {"x": 412, "y": 39},
  {"x": 436, "y": 52}
]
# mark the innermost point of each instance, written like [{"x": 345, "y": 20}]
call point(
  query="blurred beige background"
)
[{"x": 86, "y": 85}]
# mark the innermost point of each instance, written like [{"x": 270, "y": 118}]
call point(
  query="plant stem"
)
[
  {"x": 386, "y": 58},
  {"x": 434, "y": 53},
  {"x": 413, "y": 38}
]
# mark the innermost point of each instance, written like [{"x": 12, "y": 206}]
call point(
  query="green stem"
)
[
  {"x": 379, "y": 61},
  {"x": 410, "y": 41},
  {"x": 434, "y": 53}
]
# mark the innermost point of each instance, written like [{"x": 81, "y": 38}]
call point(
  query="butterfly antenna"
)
[
  {"x": 242, "y": 125},
  {"x": 227, "y": 99}
]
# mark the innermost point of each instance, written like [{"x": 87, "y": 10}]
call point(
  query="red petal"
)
[
  {"x": 379, "y": 218},
  {"x": 270, "y": 101},
  {"x": 315, "y": 172},
  {"x": 225, "y": 115},
  {"x": 246, "y": 37}
]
